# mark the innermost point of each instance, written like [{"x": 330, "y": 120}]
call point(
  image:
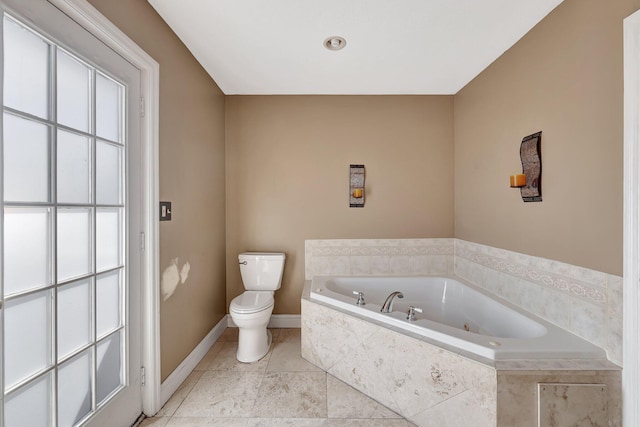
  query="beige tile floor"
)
[{"x": 282, "y": 389}]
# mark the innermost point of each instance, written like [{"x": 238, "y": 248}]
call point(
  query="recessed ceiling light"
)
[{"x": 335, "y": 43}]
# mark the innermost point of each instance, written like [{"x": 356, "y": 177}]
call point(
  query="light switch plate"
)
[{"x": 165, "y": 211}]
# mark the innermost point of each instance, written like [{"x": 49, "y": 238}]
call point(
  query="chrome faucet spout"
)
[{"x": 387, "y": 307}]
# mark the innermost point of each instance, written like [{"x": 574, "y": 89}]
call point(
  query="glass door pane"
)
[
  {"x": 109, "y": 366},
  {"x": 74, "y": 242},
  {"x": 27, "y": 266},
  {"x": 108, "y": 303},
  {"x": 74, "y": 389},
  {"x": 74, "y": 317},
  {"x": 27, "y": 354},
  {"x": 74, "y": 92},
  {"x": 108, "y": 173},
  {"x": 26, "y": 70},
  {"x": 31, "y": 402},
  {"x": 73, "y": 168},
  {"x": 108, "y": 108},
  {"x": 26, "y": 160}
]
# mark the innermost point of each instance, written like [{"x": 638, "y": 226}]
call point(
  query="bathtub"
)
[{"x": 456, "y": 315}]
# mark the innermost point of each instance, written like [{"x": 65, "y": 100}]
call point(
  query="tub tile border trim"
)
[
  {"x": 563, "y": 283},
  {"x": 333, "y": 256},
  {"x": 382, "y": 250}
]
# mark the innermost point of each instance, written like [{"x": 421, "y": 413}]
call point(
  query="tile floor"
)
[{"x": 282, "y": 389}]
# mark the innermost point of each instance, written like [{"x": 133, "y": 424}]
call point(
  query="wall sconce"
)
[
  {"x": 529, "y": 181},
  {"x": 356, "y": 186}
]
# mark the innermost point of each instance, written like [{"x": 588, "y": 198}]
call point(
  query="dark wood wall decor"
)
[{"x": 531, "y": 157}]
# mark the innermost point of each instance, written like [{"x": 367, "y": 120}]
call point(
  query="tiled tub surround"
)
[
  {"x": 434, "y": 386},
  {"x": 586, "y": 302},
  {"x": 378, "y": 257},
  {"x": 431, "y": 386}
]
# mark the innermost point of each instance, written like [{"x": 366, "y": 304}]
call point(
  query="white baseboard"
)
[
  {"x": 177, "y": 377},
  {"x": 277, "y": 321}
]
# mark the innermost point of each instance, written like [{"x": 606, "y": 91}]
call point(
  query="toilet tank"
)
[{"x": 261, "y": 271}]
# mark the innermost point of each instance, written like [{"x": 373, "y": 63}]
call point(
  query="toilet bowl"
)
[{"x": 251, "y": 311}]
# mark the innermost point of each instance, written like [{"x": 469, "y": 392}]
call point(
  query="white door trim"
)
[
  {"x": 93, "y": 21},
  {"x": 631, "y": 332}
]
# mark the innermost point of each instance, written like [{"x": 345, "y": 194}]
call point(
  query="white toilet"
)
[{"x": 261, "y": 275}]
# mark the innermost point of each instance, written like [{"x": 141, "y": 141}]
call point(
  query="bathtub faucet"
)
[
  {"x": 411, "y": 313},
  {"x": 360, "y": 298},
  {"x": 387, "y": 307}
]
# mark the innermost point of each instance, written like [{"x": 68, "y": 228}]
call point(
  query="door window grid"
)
[{"x": 99, "y": 343}]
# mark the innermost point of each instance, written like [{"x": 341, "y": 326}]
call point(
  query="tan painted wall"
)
[
  {"x": 287, "y": 161},
  {"x": 565, "y": 79},
  {"x": 288, "y": 168},
  {"x": 191, "y": 176}
]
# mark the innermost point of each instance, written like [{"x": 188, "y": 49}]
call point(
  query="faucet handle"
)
[
  {"x": 360, "y": 298},
  {"x": 411, "y": 313}
]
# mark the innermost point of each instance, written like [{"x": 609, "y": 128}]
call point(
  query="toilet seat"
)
[{"x": 251, "y": 302}]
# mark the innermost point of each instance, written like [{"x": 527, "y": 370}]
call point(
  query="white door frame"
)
[
  {"x": 93, "y": 21},
  {"x": 631, "y": 332}
]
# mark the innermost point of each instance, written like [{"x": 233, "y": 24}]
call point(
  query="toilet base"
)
[{"x": 253, "y": 344}]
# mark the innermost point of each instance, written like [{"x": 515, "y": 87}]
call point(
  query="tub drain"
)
[{"x": 466, "y": 327}]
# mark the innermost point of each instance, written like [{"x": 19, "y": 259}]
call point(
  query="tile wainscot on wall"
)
[{"x": 378, "y": 257}]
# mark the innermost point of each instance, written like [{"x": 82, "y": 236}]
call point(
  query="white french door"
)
[{"x": 70, "y": 221}]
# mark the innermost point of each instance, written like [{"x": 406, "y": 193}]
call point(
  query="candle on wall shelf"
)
[{"x": 518, "y": 180}]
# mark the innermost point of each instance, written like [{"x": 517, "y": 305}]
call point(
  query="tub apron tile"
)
[
  {"x": 460, "y": 410},
  {"x": 329, "y": 336}
]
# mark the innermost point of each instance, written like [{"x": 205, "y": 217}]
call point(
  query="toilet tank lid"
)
[{"x": 261, "y": 255}]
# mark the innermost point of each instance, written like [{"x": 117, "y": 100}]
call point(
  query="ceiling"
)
[{"x": 275, "y": 47}]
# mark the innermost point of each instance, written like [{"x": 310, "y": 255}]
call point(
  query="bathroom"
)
[
  {"x": 268, "y": 173},
  {"x": 437, "y": 166}
]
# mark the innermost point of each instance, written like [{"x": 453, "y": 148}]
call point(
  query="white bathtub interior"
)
[{"x": 456, "y": 314}]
